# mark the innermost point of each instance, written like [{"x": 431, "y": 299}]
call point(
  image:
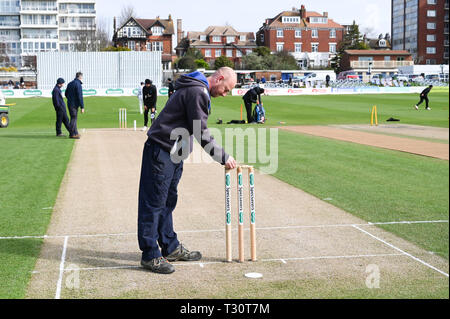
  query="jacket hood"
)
[{"x": 192, "y": 79}]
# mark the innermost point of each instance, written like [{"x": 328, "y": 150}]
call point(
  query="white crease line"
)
[
  {"x": 61, "y": 269},
  {"x": 222, "y": 230},
  {"x": 202, "y": 264},
  {"x": 402, "y": 251}
]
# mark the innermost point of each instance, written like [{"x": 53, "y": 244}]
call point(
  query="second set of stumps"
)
[{"x": 240, "y": 209}]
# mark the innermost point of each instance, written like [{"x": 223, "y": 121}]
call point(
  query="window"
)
[
  {"x": 230, "y": 39},
  {"x": 203, "y": 37},
  {"x": 217, "y": 39},
  {"x": 280, "y": 46},
  {"x": 431, "y": 50},
  {"x": 238, "y": 53},
  {"x": 314, "y": 47},
  {"x": 148, "y": 46},
  {"x": 157, "y": 31},
  {"x": 207, "y": 53},
  {"x": 314, "y": 33},
  {"x": 290, "y": 20},
  {"x": 262, "y": 37},
  {"x": 387, "y": 58},
  {"x": 248, "y": 51},
  {"x": 218, "y": 53},
  {"x": 157, "y": 46},
  {"x": 298, "y": 47},
  {"x": 431, "y": 61},
  {"x": 431, "y": 13},
  {"x": 431, "y": 37},
  {"x": 229, "y": 53},
  {"x": 431, "y": 1},
  {"x": 318, "y": 20},
  {"x": 280, "y": 33},
  {"x": 132, "y": 45},
  {"x": 332, "y": 48},
  {"x": 243, "y": 38},
  {"x": 298, "y": 33},
  {"x": 382, "y": 43},
  {"x": 333, "y": 33},
  {"x": 431, "y": 25}
]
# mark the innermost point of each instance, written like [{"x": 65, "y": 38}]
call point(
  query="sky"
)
[{"x": 373, "y": 16}]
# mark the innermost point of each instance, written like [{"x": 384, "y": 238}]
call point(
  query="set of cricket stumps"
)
[{"x": 240, "y": 210}]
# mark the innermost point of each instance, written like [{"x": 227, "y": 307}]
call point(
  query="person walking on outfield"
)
[
  {"x": 171, "y": 87},
  {"x": 74, "y": 95},
  {"x": 161, "y": 170},
  {"x": 424, "y": 97},
  {"x": 60, "y": 108},
  {"x": 252, "y": 96},
  {"x": 140, "y": 98},
  {"x": 150, "y": 97}
]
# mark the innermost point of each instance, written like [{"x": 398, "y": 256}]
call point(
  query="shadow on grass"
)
[{"x": 32, "y": 136}]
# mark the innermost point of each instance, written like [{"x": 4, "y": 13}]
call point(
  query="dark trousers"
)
[
  {"x": 248, "y": 107},
  {"x": 423, "y": 98},
  {"x": 157, "y": 199},
  {"x": 146, "y": 110},
  {"x": 61, "y": 118},
  {"x": 73, "y": 111}
]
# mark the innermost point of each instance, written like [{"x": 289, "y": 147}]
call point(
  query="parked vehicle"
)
[{"x": 348, "y": 75}]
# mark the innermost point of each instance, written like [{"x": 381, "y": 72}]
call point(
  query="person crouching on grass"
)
[
  {"x": 424, "y": 97},
  {"x": 161, "y": 169}
]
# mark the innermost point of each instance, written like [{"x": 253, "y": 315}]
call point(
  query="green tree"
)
[
  {"x": 353, "y": 40},
  {"x": 284, "y": 61},
  {"x": 195, "y": 53},
  {"x": 201, "y": 64},
  {"x": 187, "y": 63},
  {"x": 223, "y": 61},
  {"x": 115, "y": 49},
  {"x": 262, "y": 51}
]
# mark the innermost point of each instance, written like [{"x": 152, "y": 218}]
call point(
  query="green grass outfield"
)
[{"x": 374, "y": 184}]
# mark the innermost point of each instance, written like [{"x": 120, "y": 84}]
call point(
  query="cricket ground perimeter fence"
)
[{"x": 101, "y": 70}]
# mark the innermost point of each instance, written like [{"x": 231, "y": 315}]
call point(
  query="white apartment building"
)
[{"x": 31, "y": 26}]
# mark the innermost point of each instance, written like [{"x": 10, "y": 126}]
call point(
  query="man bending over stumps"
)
[
  {"x": 424, "y": 97},
  {"x": 161, "y": 168}
]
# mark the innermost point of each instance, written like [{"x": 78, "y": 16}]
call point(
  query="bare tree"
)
[
  {"x": 90, "y": 39},
  {"x": 126, "y": 13}
]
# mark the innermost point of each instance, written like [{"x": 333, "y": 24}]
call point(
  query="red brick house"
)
[
  {"x": 378, "y": 61},
  {"x": 147, "y": 35},
  {"x": 218, "y": 41},
  {"x": 312, "y": 38}
]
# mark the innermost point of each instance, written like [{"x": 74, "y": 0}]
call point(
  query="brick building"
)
[
  {"x": 421, "y": 27},
  {"x": 384, "y": 62},
  {"x": 218, "y": 41},
  {"x": 147, "y": 35},
  {"x": 312, "y": 38}
]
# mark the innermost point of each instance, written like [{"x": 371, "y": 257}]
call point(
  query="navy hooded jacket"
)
[
  {"x": 58, "y": 101},
  {"x": 74, "y": 94},
  {"x": 190, "y": 102}
]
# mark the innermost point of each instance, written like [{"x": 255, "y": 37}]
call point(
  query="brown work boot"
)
[
  {"x": 182, "y": 254},
  {"x": 76, "y": 137}
]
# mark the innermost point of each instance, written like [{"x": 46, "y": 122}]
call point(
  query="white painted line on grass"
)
[
  {"x": 283, "y": 260},
  {"x": 222, "y": 230},
  {"x": 61, "y": 269},
  {"x": 402, "y": 251}
]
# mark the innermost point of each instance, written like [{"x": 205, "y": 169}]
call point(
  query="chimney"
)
[
  {"x": 180, "y": 33},
  {"x": 170, "y": 17},
  {"x": 325, "y": 14},
  {"x": 115, "y": 25},
  {"x": 302, "y": 12}
]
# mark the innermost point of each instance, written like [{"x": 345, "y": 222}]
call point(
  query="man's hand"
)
[
  {"x": 145, "y": 107},
  {"x": 82, "y": 111},
  {"x": 231, "y": 163}
]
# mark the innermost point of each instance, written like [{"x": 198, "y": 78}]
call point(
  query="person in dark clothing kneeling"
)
[{"x": 60, "y": 108}]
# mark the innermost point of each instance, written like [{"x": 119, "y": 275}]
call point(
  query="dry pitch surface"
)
[{"x": 307, "y": 248}]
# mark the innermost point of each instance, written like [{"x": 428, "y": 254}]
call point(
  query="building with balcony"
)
[
  {"x": 217, "y": 41},
  {"x": 147, "y": 35},
  {"x": 31, "y": 26},
  {"x": 312, "y": 38},
  {"x": 366, "y": 62},
  {"x": 421, "y": 27}
]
